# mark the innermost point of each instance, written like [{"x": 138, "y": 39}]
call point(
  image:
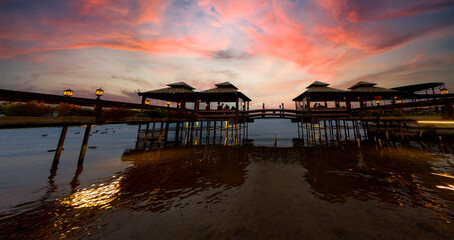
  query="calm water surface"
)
[{"x": 403, "y": 191}]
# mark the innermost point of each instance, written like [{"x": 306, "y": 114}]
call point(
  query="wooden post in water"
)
[
  {"x": 145, "y": 138},
  {"x": 138, "y": 132},
  {"x": 152, "y": 135},
  {"x": 331, "y": 130},
  {"x": 201, "y": 130},
  {"x": 160, "y": 135},
  {"x": 61, "y": 141},
  {"x": 298, "y": 125},
  {"x": 207, "y": 137},
  {"x": 326, "y": 134},
  {"x": 183, "y": 133},
  {"x": 177, "y": 132},
  {"x": 357, "y": 130},
  {"x": 226, "y": 131},
  {"x": 214, "y": 132},
  {"x": 348, "y": 130},
  {"x": 319, "y": 132},
  {"x": 312, "y": 132},
  {"x": 236, "y": 133},
  {"x": 232, "y": 134},
  {"x": 83, "y": 149},
  {"x": 166, "y": 134},
  {"x": 220, "y": 133},
  {"x": 345, "y": 130},
  {"x": 191, "y": 137}
]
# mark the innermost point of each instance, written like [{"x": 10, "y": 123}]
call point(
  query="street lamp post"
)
[{"x": 99, "y": 92}]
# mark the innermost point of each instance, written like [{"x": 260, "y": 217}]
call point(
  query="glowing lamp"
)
[
  {"x": 395, "y": 97},
  {"x": 99, "y": 92},
  {"x": 147, "y": 101},
  {"x": 444, "y": 91},
  {"x": 377, "y": 101},
  {"x": 206, "y": 104},
  {"x": 399, "y": 101},
  {"x": 168, "y": 103},
  {"x": 178, "y": 104},
  {"x": 68, "y": 92}
]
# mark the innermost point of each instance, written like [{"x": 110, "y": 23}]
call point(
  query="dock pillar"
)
[
  {"x": 61, "y": 141},
  {"x": 83, "y": 149},
  {"x": 177, "y": 132},
  {"x": 166, "y": 134}
]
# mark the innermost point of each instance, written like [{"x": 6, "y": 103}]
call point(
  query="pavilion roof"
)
[
  {"x": 175, "y": 92},
  {"x": 317, "y": 84},
  {"x": 223, "y": 91},
  {"x": 362, "y": 84},
  {"x": 225, "y": 85},
  {"x": 181, "y": 85},
  {"x": 321, "y": 89},
  {"x": 418, "y": 87}
]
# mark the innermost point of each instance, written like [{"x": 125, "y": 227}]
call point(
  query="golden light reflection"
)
[
  {"x": 436, "y": 122},
  {"x": 449, "y": 187},
  {"x": 101, "y": 196},
  {"x": 443, "y": 175}
]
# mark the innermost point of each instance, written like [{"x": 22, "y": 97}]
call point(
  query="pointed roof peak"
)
[
  {"x": 181, "y": 85},
  {"x": 225, "y": 85},
  {"x": 362, "y": 84},
  {"x": 318, "y": 84}
]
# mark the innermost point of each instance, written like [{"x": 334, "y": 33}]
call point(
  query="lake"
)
[{"x": 392, "y": 190}]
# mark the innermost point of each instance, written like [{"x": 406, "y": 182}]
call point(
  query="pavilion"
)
[
  {"x": 224, "y": 93},
  {"x": 320, "y": 92},
  {"x": 364, "y": 92},
  {"x": 182, "y": 93}
]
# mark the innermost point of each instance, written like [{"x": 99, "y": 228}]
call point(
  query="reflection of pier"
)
[{"x": 158, "y": 134}]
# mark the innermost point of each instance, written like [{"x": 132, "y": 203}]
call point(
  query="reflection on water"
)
[{"x": 394, "y": 191}]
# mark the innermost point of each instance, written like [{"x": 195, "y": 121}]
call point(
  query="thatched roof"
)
[
  {"x": 175, "y": 92},
  {"x": 181, "y": 85},
  {"x": 362, "y": 84},
  {"x": 321, "y": 91},
  {"x": 367, "y": 87},
  {"x": 418, "y": 87},
  {"x": 178, "y": 91},
  {"x": 366, "y": 90},
  {"x": 317, "y": 84},
  {"x": 225, "y": 85},
  {"x": 223, "y": 92}
]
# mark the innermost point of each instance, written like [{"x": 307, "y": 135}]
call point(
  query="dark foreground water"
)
[{"x": 400, "y": 191}]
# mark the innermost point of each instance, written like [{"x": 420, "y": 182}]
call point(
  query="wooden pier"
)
[{"x": 228, "y": 124}]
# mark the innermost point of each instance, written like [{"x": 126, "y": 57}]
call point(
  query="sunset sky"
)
[{"x": 270, "y": 49}]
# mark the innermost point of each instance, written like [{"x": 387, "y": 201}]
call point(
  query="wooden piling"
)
[
  {"x": 61, "y": 141},
  {"x": 166, "y": 134},
  {"x": 214, "y": 131},
  {"x": 345, "y": 130},
  {"x": 177, "y": 131},
  {"x": 191, "y": 136},
  {"x": 83, "y": 149},
  {"x": 208, "y": 132},
  {"x": 145, "y": 138}
]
